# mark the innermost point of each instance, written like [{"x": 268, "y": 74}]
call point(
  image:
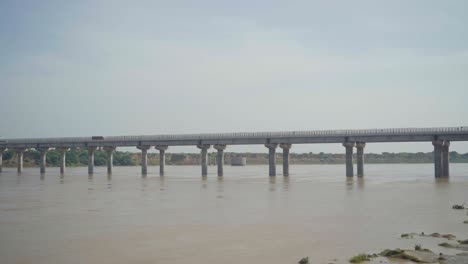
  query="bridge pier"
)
[
  {"x": 91, "y": 151},
  {"x": 63, "y": 156},
  {"x": 1, "y": 158},
  {"x": 144, "y": 158},
  {"x": 220, "y": 158},
  {"x": 360, "y": 158},
  {"x": 162, "y": 158},
  {"x": 19, "y": 156},
  {"x": 349, "y": 158},
  {"x": 286, "y": 147},
  {"x": 437, "y": 157},
  {"x": 445, "y": 158},
  {"x": 271, "y": 158},
  {"x": 43, "y": 160},
  {"x": 204, "y": 158},
  {"x": 110, "y": 158}
]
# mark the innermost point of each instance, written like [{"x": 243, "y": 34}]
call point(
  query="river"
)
[{"x": 243, "y": 217}]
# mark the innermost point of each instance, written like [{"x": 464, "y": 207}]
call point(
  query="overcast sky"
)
[{"x": 82, "y": 68}]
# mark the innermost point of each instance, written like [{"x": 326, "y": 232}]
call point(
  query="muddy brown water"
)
[{"x": 244, "y": 217}]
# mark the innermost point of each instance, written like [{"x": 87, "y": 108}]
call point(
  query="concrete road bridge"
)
[{"x": 440, "y": 137}]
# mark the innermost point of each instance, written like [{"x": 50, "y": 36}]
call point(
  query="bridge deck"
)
[{"x": 245, "y": 138}]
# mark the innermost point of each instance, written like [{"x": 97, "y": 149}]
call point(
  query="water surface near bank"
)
[{"x": 244, "y": 217}]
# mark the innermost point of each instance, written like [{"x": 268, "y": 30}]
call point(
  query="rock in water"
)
[
  {"x": 304, "y": 260},
  {"x": 449, "y": 236},
  {"x": 420, "y": 256},
  {"x": 457, "y": 259}
]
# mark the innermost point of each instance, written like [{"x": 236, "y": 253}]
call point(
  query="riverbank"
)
[{"x": 79, "y": 157}]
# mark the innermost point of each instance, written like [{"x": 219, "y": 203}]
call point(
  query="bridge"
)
[{"x": 440, "y": 137}]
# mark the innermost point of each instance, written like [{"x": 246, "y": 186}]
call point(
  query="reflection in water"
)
[
  {"x": 61, "y": 179},
  {"x": 144, "y": 184},
  {"x": 247, "y": 215},
  {"x": 204, "y": 184},
  {"x": 42, "y": 177},
  {"x": 360, "y": 182},
  {"x": 220, "y": 186},
  {"x": 352, "y": 183},
  {"x": 349, "y": 183},
  {"x": 162, "y": 182},
  {"x": 272, "y": 185},
  {"x": 286, "y": 184},
  {"x": 442, "y": 181}
]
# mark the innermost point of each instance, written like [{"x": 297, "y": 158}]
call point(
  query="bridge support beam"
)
[
  {"x": 43, "y": 160},
  {"x": 445, "y": 158},
  {"x": 286, "y": 147},
  {"x": 204, "y": 158},
  {"x": 19, "y": 156},
  {"x": 1, "y": 158},
  {"x": 360, "y": 158},
  {"x": 144, "y": 158},
  {"x": 437, "y": 157},
  {"x": 63, "y": 158},
  {"x": 349, "y": 158},
  {"x": 220, "y": 158},
  {"x": 271, "y": 158},
  {"x": 91, "y": 151},
  {"x": 110, "y": 158},
  {"x": 162, "y": 158}
]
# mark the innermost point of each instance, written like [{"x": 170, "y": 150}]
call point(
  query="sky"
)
[{"x": 83, "y": 68}]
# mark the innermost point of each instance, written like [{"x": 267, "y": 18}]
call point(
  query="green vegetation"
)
[
  {"x": 359, "y": 258},
  {"x": 304, "y": 260},
  {"x": 447, "y": 245},
  {"x": 75, "y": 157},
  {"x": 465, "y": 222},
  {"x": 406, "y": 235},
  {"x": 391, "y": 252},
  {"x": 79, "y": 157}
]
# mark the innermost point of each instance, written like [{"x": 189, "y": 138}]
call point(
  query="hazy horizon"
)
[{"x": 152, "y": 67}]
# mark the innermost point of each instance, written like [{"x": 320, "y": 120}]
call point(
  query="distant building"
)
[{"x": 238, "y": 161}]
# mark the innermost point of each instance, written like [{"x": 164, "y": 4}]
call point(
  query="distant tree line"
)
[{"x": 79, "y": 157}]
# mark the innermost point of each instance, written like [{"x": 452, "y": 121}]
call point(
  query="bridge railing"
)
[{"x": 246, "y": 135}]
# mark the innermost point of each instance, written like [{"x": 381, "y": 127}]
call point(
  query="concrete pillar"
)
[
  {"x": 349, "y": 158},
  {"x": 1, "y": 158},
  {"x": 162, "y": 158},
  {"x": 271, "y": 158},
  {"x": 360, "y": 158},
  {"x": 63, "y": 153},
  {"x": 144, "y": 158},
  {"x": 110, "y": 157},
  {"x": 19, "y": 155},
  {"x": 91, "y": 151},
  {"x": 286, "y": 147},
  {"x": 204, "y": 158},
  {"x": 445, "y": 158},
  {"x": 220, "y": 158},
  {"x": 43, "y": 151},
  {"x": 437, "y": 157}
]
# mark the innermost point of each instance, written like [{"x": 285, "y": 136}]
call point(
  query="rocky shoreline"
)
[{"x": 418, "y": 254}]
